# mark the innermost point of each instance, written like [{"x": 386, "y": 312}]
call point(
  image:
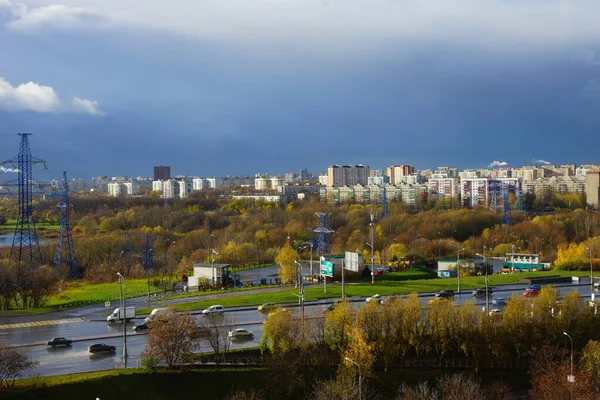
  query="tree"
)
[
  {"x": 215, "y": 329},
  {"x": 13, "y": 362},
  {"x": 171, "y": 337},
  {"x": 338, "y": 323},
  {"x": 281, "y": 332},
  {"x": 396, "y": 253},
  {"x": 285, "y": 258}
]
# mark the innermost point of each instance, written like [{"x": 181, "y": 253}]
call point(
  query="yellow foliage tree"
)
[{"x": 285, "y": 258}]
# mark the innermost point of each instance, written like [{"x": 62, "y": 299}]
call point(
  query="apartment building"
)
[
  {"x": 593, "y": 188},
  {"x": 397, "y": 173},
  {"x": 347, "y": 175}
]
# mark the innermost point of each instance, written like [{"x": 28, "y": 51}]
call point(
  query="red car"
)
[{"x": 531, "y": 292}]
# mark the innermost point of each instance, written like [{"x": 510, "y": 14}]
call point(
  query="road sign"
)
[
  {"x": 107, "y": 304},
  {"x": 327, "y": 268},
  {"x": 351, "y": 261}
]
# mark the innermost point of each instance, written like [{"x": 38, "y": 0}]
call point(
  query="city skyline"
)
[{"x": 226, "y": 89}]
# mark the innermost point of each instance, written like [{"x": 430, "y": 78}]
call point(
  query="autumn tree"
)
[
  {"x": 171, "y": 337},
  {"x": 215, "y": 330},
  {"x": 338, "y": 323},
  {"x": 281, "y": 332},
  {"x": 287, "y": 267},
  {"x": 13, "y": 362}
]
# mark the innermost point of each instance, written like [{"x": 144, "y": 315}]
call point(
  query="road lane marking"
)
[{"x": 42, "y": 323}]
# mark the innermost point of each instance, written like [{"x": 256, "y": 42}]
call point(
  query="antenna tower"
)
[
  {"x": 322, "y": 232},
  {"x": 25, "y": 247},
  {"x": 66, "y": 256}
]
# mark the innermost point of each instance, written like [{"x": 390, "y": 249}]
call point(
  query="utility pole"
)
[
  {"x": 372, "y": 249},
  {"x": 458, "y": 268},
  {"x": 487, "y": 293},
  {"x": 124, "y": 310}
]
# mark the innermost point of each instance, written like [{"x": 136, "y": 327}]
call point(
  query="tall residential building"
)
[
  {"x": 116, "y": 189},
  {"x": 593, "y": 188},
  {"x": 347, "y": 175},
  {"x": 162, "y": 173},
  {"x": 397, "y": 173},
  {"x": 206, "y": 183}
]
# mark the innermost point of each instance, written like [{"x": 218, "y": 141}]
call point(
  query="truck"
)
[{"x": 119, "y": 315}]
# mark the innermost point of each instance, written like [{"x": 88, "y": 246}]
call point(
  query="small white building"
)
[{"x": 212, "y": 272}]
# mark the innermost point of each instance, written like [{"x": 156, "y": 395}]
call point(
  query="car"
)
[
  {"x": 500, "y": 301},
  {"x": 445, "y": 295},
  {"x": 597, "y": 285},
  {"x": 101, "y": 348},
  {"x": 376, "y": 297},
  {"x": 141, "y": 327},
  {"x": 480, "y": 292},
  {"x": 240, "y": 334},
  {"x": 216, "y": 309},
  {"x": 494, "y": 311},
  {"x": 531, "y": 292},
  {"x": 329, "y": 307},
  {"x": 59, "y": 341},
  {"x": 267, "y": 307},
  {"x": 534, "y": 287}
]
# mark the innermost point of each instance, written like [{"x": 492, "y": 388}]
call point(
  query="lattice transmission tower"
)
[
  {"x": 65, "y": 250},
  {"x": 322, "y": 234},
  {"x": 25, "y": 247}
]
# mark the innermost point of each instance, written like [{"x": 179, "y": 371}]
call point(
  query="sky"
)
[{"x": 235, "y": 87}]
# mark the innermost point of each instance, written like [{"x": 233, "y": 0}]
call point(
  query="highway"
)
[{"x": 54, "y": 361}]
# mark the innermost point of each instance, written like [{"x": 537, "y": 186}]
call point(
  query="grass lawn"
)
[
  {"x": 205, "y": 383},
  {"x": 209, "y": 383},
  {"x": 384, "y": 288},
  {"x": 81, "y": 293}
]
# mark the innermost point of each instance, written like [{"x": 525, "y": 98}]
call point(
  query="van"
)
[
  {"x": 119, "y": 315},
  {"x": 153, "y": 313}
]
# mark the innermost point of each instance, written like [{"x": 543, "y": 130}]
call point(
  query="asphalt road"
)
[{"x": 76, "y": 358}]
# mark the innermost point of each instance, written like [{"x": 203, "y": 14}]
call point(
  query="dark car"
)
[
  {"x": 480, "y": 292},
  {"x": 140, "y": 327},
  {"x": 445, "y": 294},
  {"x": 59, "y": 341},
  {"x": 534, "y": 287},
  {"x": 101, "y": 348}
]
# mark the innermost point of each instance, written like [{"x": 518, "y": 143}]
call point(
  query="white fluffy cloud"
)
[
  {"x": 318, "y": 22},
  {"x": 86, "y": 106},
  {"x": 498, "y": 164},
  {"x": 32, "y": 96}
]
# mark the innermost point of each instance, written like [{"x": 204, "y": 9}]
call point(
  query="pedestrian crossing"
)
[{"x": 42, "y": 323}]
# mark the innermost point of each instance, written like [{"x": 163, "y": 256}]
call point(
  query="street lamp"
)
[
  {"x": 310, "y": 246},
  {"x": 168, "y": 243},
  {"x": 124, "y": 311},
  {"x": 301, "y": 296},
  {"x": 359, "y": 378},
  {"x": 513, "y": 257},
  {"x": 487, "y": 293},
  {"x": 146, "y": 258},
  {"x": 458, "y": 267},
  {"x": 415, "y": 250},
  {"x": 372, "y": 261},
  {"x": 571, "y": 378},
  {"x": 439, "y": 245},
  {"x": 591, "y": 274}
]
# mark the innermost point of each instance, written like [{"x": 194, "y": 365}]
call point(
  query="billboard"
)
[
  {"x": 326, "y": 267},
  {"x": 351, "y": 261}
]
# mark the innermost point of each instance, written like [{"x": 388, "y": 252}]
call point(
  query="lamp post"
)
[
  {"x": 513, "y": 257},
  {"x": 487, "y": 292},
  {"x": 147, "y": 257},
  {"x": 571, "y": 378},
  {"x": 359, "y": 378},
  {"x": 415, "y": 249},
  {"x": 310, "y": 246},
  {"x": 439, "y": 245},
  {"x": 372, "y": 260},
  {"x": 301, "y": 289},
  {"x": 591, "y": 275},
  {"x": 458, "y": 267},
  {"x": 168, "y": 243},
  {"x": 124, "y": 310}
]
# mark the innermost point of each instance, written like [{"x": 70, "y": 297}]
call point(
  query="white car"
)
[
  {"x": 494, "y": 311},
  {"x": 216, "y": 309},
  {"x": 377, "y": 298},
  {"x": 241, "y": 334}
]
